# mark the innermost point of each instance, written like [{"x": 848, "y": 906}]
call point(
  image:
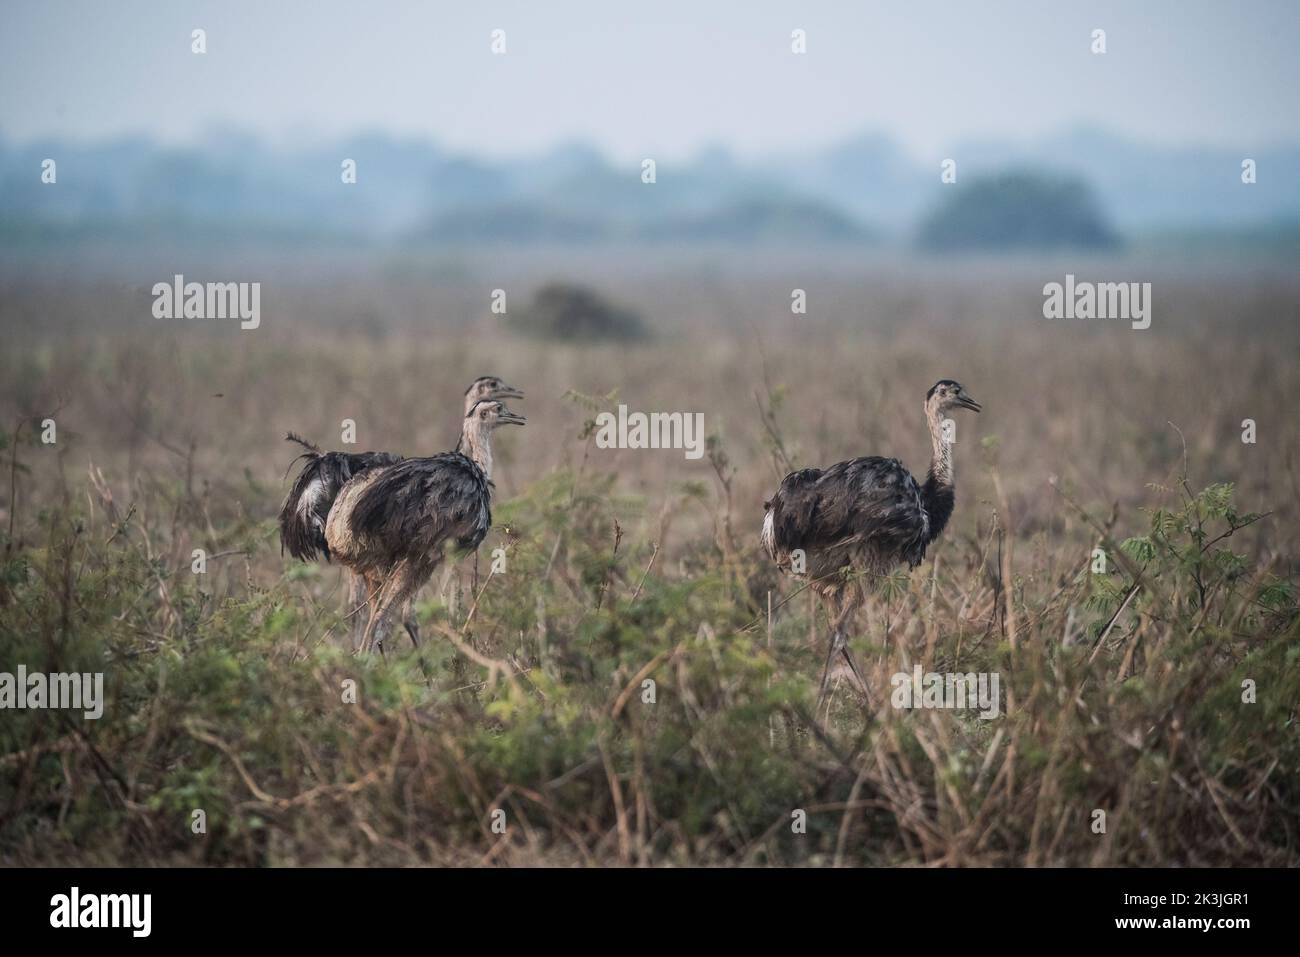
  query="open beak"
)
[
  {"x": 511, "y": 418},
  {"x": 966, "y": 402},
  {"x": 508, "y": 392}
]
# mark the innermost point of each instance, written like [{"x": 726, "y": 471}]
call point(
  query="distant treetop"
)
[
  {"x": 1018, "y": 210},
  {"x": 566, "y": 311}
]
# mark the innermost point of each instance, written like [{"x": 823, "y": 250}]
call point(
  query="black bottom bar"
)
[{"x": 335, "y": 906}]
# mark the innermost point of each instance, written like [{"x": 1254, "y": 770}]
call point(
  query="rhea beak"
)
[
  {"x": 508, "y": 392},
  {"x": 966, "y": 402},
  {"x": 510, "y": 418}
]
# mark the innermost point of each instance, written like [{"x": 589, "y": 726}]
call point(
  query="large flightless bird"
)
[
  {"x": 859, "y": 519},
  {"x": 307, "y": 506},
  {"x": 393, "y": 524}
]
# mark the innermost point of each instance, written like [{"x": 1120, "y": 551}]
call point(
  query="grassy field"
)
[{"x": 229, "y": 691}]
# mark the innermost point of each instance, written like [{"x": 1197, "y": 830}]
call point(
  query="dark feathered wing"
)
[
  {"x": 420, "y": 504},
  {"x": 871, "y": 502},
  {"x": 307, "y": 506}
]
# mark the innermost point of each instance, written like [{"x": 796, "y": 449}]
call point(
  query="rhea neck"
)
[
  {"x": 941, "y": 449},
  {"x": 937, "y": 493},
  {"x": 476, "y": 444}
]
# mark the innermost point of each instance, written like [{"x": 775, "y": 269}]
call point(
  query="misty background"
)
[{"x": 839, "y": 148}]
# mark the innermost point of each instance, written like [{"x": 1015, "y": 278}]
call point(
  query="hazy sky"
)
[{"x": 655, "y": 77}]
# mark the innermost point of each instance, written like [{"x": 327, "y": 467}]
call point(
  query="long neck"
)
[
  {"x": 476, "y": 445},
  {"x": 462, "y": 442},
  {"x": 937, "y": 493}
]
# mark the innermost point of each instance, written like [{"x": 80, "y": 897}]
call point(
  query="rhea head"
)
[
  {"x": 489, "y": 413},
  {"x": 489, "y": 387},
  {"x": 476, "y": 433},
  {"x": 946, "y": 395}
]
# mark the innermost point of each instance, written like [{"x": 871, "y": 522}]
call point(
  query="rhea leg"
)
[
  {"x": 358, "y": 603},
  {"x": 399, "y": 585},
  {"x": 368, "y": 585},
  {"x": 849, "y": 608},
  {"x": 377, "y": 587},
  {"x": 409, "y": 621},
  {"x": 840, "y": 609},
  {"x": 410, "y": 579},
  {"x": 377, "y": 628},
  {"x": 834, "y": 605}
]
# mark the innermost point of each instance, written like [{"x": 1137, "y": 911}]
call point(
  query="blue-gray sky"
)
[{"x": 661, "y": 78}]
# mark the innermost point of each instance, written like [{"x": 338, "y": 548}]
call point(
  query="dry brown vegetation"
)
[{"x": 1122, "y": 690}]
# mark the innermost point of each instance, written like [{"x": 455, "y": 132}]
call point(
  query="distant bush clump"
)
[
  {"x": 568, "y": 312},
  {"x": 763, "y": 220},
  {"x": 1019, "y": 210}
]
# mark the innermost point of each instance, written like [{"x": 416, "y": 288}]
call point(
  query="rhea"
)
[
  {"x": 307, "y": 506},
  {"x": 845, "y": 527},
  {"x": 393, "y": 525}
]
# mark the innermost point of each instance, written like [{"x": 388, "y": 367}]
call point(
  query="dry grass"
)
[{"x": 624, "y": 565}]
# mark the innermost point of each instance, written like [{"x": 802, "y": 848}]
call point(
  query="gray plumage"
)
[
  {"x": 392, "y": 525},
  {"x": 307, "y": 506},
  {"x": 865, "y": 509},
  {"x": 304, "y": 515},
  {"x": 845, "y": 527},
  {"x": 420, "y": 505}
]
